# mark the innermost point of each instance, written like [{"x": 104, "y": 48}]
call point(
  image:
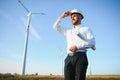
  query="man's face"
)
[{"x": 76, "y": 19}]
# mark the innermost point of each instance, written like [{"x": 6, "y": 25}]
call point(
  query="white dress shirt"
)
[{"x": 82, "y": 37}]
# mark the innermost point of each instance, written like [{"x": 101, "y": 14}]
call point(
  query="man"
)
[{"x": 79, "y": 39}]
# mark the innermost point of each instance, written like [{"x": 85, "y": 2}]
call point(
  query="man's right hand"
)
[{"x": 65, "y": 14}]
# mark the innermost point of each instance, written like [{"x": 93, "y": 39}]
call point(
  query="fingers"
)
[
  {"x": 65, "y": 14},
  {"x": 73, "y": 48}
]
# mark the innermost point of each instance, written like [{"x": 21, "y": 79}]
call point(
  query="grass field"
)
[
  {"x": 54, "y": 77},
  {"x": 103, "y": 77}
]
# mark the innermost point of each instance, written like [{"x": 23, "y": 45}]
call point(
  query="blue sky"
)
[{"x": 46, "y": 47}]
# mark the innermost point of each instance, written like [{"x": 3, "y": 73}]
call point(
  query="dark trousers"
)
[{"x": 76, "y": 66}]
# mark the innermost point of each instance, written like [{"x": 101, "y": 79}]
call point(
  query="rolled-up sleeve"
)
[
  {"x": 58, "y": 27},
  {"x": 88, "y": 38}
]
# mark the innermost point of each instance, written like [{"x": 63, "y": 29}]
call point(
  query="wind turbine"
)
[
  {"x": 62, "y": 54},
  {"x": 27, "y": 35},
  {"x": 90, "y": 72}
]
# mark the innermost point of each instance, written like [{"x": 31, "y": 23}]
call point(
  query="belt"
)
[
  {"x": 81, "y": 50},
  {"x": 77, "y": 53}
]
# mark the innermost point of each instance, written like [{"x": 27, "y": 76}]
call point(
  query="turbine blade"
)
[
  {"x": 39, "y": 13},
  {"x": 23, "y": 6}
]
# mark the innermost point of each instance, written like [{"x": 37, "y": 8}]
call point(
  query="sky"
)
[{"x": 46, "y": 47}]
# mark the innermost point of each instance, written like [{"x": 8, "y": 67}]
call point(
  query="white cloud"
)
[
  {"x": 10, "y": 60},
  {"x": 8, "y": 66}
]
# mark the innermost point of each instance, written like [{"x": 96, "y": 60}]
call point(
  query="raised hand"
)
[{"x": 65, "y": 14}]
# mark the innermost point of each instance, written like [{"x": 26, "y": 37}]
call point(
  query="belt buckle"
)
[{"x": 71, "y": 54}]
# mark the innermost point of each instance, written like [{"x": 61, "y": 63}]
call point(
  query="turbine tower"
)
[{"x": 26, "y": 35}]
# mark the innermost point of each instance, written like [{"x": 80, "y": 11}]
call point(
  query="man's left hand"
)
[{"x": 73, "y": 48}]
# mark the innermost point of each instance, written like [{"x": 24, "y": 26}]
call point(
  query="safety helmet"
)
[{"x": 76, "y": 11}]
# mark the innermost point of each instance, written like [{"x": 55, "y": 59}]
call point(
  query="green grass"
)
[{"x": 55, "y": 77}]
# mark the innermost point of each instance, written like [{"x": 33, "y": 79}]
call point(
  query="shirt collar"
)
[{"x": 78, "y": 26}]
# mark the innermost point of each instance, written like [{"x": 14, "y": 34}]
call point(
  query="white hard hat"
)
[{"x": 77, "y": 11}]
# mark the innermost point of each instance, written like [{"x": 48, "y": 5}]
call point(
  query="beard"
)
[{"x": 76, "y": 22}]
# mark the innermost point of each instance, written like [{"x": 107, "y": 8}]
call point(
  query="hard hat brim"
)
[{"x": 77, "y": 13}]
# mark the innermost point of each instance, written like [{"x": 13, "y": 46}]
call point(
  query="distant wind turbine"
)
[
  {"x": 90, "y": 72},
  {"x": 62, "y": 54},
  {"x": 27, "y": 34}
]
